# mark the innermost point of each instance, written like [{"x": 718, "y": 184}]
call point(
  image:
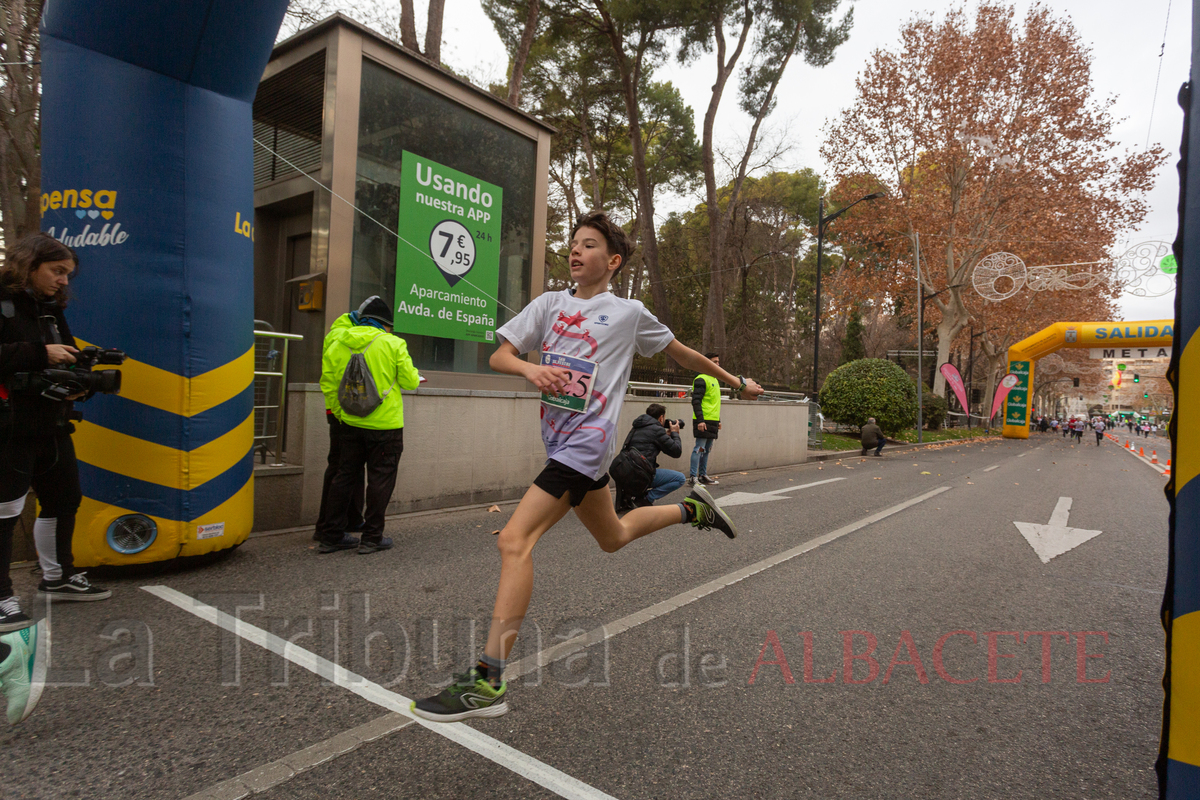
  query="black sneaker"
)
[
  {"x": 691, "y": 481},
  {"x": 706, "y": 514},
  {"x": 347, "y": 542},
  {"x": 374, "y": 547},
  {"x": 708, "y": 480},
  {"x": 12, "y": 618},
  {"x": 77, "y": 588},
  {"x": 469, "y": 696}
]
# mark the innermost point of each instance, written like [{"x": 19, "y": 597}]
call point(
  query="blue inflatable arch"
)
[{"x": 147, "y": 173}]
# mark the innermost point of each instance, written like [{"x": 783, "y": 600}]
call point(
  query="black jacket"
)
[
  {"x": 23, "y": 339},
  {"x": 649, "y": 438}
]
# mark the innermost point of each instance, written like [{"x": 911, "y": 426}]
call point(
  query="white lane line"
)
[
  {"x": 551, "y": 654},
  {"x": 524, "y": 765},
  {"x": 992, "y": 467},
  {"x": 268, "y": 776},
  {"x": 1022, "y": 455}
]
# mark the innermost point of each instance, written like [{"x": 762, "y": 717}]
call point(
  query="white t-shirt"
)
[
  {"x": 605, "y": 329},
  {"x": 1099, "y": 426}
]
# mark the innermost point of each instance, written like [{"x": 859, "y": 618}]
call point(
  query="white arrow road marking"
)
[
  {"x": 1055, "y": 538},
  {"x": 746, "y": 498}
]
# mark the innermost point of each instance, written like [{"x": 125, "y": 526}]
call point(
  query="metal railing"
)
[
  {"x": 673, "y": 390},
  {"x": 679, "y": 391},
  {"x": 270, "y": 392}
]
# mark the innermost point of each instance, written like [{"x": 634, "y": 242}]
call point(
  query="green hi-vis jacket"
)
[
  {"x": 390, "y": 366},
  {"x": 706, "y": 406}
]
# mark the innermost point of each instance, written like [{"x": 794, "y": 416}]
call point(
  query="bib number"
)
[{"x": 578, "y": 391}]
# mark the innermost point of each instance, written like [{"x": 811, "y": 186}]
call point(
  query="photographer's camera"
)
[{"x": 61, "y": 383}]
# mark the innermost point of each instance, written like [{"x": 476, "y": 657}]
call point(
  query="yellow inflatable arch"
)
[{"x": 1129, "y": 340}]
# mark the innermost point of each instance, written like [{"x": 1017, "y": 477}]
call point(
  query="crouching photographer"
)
[
  {"x": 42, "y": 372},
  {"x": 643, "y": 481}
]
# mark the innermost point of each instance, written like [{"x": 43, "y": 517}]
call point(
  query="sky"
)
[{"x": 1125, "y": 40}]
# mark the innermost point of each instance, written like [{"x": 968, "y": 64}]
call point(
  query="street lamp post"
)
[{"x": 822, "y": 221}]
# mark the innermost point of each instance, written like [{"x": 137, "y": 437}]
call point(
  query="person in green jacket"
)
[
  {"x": 706, "y": 421},
  {"x": 375, "y": 440}
]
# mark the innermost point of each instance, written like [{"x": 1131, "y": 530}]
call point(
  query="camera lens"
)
[{"x": 107, "y": 381}]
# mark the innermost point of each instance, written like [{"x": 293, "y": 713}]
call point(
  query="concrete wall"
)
[{"x": 465, "y": 447}]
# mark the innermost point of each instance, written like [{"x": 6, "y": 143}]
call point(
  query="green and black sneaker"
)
[
  {"x": 706, "y": 514},
  {"x": 469, "y": 696}
]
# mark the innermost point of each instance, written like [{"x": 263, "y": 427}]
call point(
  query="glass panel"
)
[{"x": 396, "y": 114}]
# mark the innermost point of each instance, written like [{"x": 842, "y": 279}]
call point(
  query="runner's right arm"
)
[{"x": 550, "y": 380}]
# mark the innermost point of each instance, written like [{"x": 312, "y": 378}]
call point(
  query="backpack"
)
[
  {"x": 357, "y": 393},
  {"x": 631, "y": 470}
]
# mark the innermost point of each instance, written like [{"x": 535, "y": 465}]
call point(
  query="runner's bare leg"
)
[{"x": 536, "y": 514}]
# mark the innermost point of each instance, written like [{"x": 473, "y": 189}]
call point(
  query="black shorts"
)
[{"x": 556, "y": 479}]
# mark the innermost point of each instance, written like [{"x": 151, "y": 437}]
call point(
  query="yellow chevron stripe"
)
[
  {"x": 167, "y": 391},
  {"x": 1187, "y": 452},
  {"x": 175, "y": 538},
  {"x": 238, "y": 515},
  {"x": 1185, "y": 689},
  {"x": 156, "y": 463}
]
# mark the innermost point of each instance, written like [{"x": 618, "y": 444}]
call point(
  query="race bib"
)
[{"x": 578, "y": 391}]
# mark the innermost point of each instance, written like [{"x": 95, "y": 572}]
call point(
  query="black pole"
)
[{"x": 817, "y": 317}]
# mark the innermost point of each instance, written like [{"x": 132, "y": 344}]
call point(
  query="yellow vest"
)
[{"x": 710, "y": 406}]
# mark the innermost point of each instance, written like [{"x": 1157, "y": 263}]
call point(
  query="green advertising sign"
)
[
  {"x": 1018, "y": 398},
  {"x": 448, "y": 272}
]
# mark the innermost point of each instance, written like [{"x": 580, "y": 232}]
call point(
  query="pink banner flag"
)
[
  {"x": 950, "y": 372},
  {"x": 1006, "y": 383}
]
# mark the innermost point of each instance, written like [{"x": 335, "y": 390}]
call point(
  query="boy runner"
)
[{"x": 587, "y": 338}]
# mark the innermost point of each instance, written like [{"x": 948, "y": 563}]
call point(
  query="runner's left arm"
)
[{"x": 690, "y": 359}]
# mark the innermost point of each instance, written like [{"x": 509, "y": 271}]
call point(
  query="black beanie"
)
[{"x": 374, "y": 308}]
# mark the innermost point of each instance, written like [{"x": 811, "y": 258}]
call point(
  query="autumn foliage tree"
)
[{"x": 988, "y": 137}]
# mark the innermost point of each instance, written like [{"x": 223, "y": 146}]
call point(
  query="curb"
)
[{"x": 822, "y": 455}]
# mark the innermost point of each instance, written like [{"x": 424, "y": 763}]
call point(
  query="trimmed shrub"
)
[
  {"x": 870, "y": 387},
  {"x": 933, "y": 408}
]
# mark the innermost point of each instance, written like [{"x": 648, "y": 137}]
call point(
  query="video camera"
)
[
  {"x": 667, "y": 423},
  {"x": 61, "y": 382}
]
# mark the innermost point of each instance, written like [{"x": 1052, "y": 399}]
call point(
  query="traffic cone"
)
[
  {"x": 1127, "y": 447},
  {"x": 1153, "y": 456},
  {"x": 1141, "y": 452},
  {"x": 1167, "y": 471}
]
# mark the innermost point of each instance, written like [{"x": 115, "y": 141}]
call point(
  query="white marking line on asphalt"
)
[
  {"x": 524, "y": 765},
  {"x": 1022, "y": 455},
  {"x": 1159, "y": 468},
  {"x": 992, "y": 467},
  {"x": 268, "y": 776},
  {"x": 564, "y": 649}
]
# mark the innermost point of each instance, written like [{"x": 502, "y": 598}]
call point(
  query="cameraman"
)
[
  {"x": 35, "y": 432},
  {"x": 654, "y": 433}
]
